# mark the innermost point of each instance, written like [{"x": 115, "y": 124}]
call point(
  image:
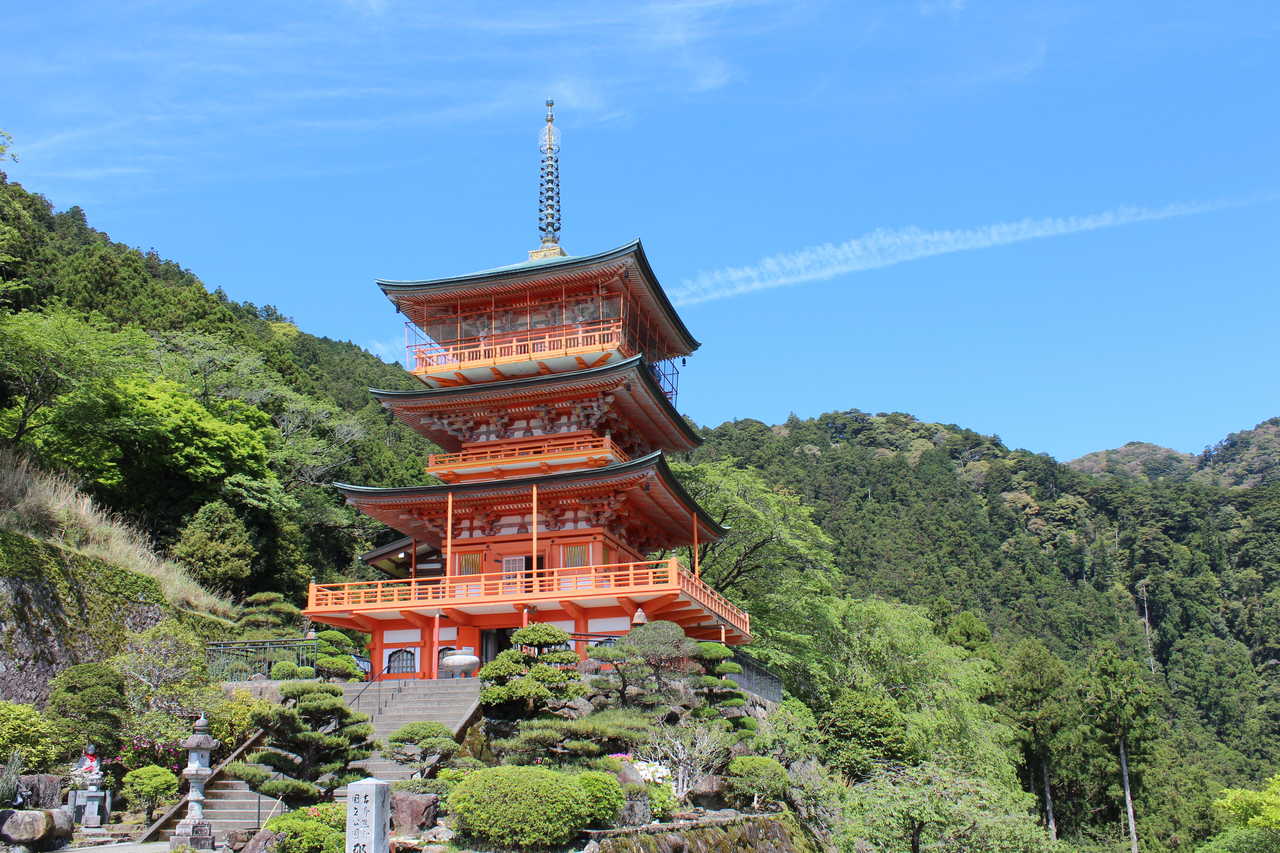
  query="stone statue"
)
[{"x": 89, "y": 764}]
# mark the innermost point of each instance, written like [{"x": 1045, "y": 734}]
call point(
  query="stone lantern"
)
[{"x": 193, "y": 830}]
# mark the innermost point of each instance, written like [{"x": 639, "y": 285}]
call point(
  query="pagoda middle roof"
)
[
  {"x": 648, "y": 477},
  {"x": 629, "y": 259},
  {"x": 672, "y": 432}
]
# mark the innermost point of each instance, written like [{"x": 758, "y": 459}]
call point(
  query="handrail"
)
[
  {"x": 654, "y": 575},
  {"x": 512, "y": 346},
  {"x": 520, "y": 451}
]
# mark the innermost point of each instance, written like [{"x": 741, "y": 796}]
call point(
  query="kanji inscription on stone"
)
[{"x": 368, "y": 816}]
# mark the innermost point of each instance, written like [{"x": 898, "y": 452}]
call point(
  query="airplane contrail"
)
[{"x": 885, "y": 247}]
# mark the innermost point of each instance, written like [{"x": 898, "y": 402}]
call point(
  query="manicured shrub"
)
[
  {"x": 284, "y": 670},
  {"x": 312, "y": 829},
  {"x": 148, "y": 786},
  {"x": 748, "y": 724},
  {"x": 306, "y": 672},
  {"x": 338, "y": 666},
  {"x": 421, "y": 745},
  {"x": 713, "y": 652},
  {"x": 604, "y": 796},
  {"x": 662, "y": 800},
  {"x": 732, "y": 703},
  {"x": 439, "y": 787},
  {"x": 42, "y": 742},
  {"x": 754, "y": 781},
  {"x": 728, "y": 668},
  {"x": 520, "y": 806},
  {"x": 708, "y": 682}
]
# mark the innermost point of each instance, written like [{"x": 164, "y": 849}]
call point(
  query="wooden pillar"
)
[
  {"x": 433, "y": 662},
  {"x": 524, "y": 616},
  {"x": 448, "y": 535},
  {"x": 533, "y": 529},
  {"x": 375, "y": 654},
  {"x": 697, "y": 562},
  {"x": 413, "y": 558}
]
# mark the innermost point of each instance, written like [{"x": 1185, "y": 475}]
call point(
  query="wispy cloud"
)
[
  {"x": 886, "y": 247},
  {"x": 388, "y": 349}
]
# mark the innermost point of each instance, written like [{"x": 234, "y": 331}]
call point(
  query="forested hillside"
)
[{"x": 951, "y": 611}]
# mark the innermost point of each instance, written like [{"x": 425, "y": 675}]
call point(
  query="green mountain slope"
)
[{"x": 1247, "y": 458}]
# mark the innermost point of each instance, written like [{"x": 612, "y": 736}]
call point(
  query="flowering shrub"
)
[{"x": 652, "y": 771}]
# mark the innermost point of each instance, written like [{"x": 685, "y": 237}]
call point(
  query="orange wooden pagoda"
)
[{"x": 550, "y": 385}]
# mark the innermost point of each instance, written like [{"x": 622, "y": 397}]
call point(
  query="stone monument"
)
[
  {"x": 90, "y": 807},
  {"x": 193, "y": 830},
  {"x": 368, "y": 816}
]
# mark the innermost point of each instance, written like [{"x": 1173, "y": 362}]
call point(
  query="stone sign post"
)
[
  {"x": 368, "y": 816},
  {"x": 193, "y": 830}
]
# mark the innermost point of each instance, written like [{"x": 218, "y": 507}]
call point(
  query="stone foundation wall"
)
[
  {"x": 761, "y": 834},
  {"x": 59, "y": 608}
]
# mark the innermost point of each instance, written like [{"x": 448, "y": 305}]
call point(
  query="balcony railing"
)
[
  {"x": 549, "y": 449},
  {"x": 533, "y": 345},
  {"x": 652, "y": 576}
]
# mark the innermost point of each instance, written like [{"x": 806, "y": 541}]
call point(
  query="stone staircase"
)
[
  {"x": 230, "y": 804},
  {"x": 451, "y": 701}
]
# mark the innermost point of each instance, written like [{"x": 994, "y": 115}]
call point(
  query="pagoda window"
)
[
  {"x": 575, "y": 556},
  {"x": 470, "y": 562},
  {"x": 402, "y": 661}
]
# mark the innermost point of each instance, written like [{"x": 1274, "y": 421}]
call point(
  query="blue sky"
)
[{"x": 1054, "y": 221}]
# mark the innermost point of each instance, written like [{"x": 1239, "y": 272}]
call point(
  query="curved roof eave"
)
[
  {"x": 635, "y": 247},
  {"x": 551, "y": 379},
  {"x": 656, "y": 460}
]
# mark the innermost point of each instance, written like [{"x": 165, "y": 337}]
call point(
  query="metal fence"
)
[
  {"x": 757, "y": 680},
  {"x": 241, "y": 660}
]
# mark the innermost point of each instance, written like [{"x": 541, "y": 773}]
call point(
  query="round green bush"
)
[
  {"x": 748, "y": 724},
  {"x": 284, "y": 670},
  {"x": 604, "y": 796},
  {"x": 520, "y": 806},
  {"x": 728, "y": 668},
  {"x": 439, "y": 787},
  {"x": 305, "y": 672},
  {"x": 313, "y": 829},
  {"x": 713, "y": 652},
  {"x": 732, "y": 703},
  {"x": 754, "y": 781},
  {"x": 662, "y": 800}
]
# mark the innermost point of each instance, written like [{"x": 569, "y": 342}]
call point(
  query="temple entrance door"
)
[
  {"x": 494, "y": 641},
  {"x": 402, "y": 662}
]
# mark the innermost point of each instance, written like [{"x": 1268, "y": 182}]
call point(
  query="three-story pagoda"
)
[{"x": 550, "y": 385}]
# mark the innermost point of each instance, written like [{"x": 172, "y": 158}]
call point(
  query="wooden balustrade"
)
[
  {"x": 531, "y": 345},
  {"x": 529, "y": 447},
  {"x": 652, "y": 576}
]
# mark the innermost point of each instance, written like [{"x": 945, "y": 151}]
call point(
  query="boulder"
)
[
  {"x": 264, "y": 841},
  {"x": 439, "y": 833},
  {"x": 636, "y": 811},
  {"x": 63, "y": 825},
  {"x": 43, "y": 790},
  {"x": 412, "y": 812},
  {"x": 236, "y": 839},
  {"x": 572, "y": 709},
  {"x": 709, "y": 793},
  {"x": 25, "y": 827},
  {"x": 629, "y": 775}
]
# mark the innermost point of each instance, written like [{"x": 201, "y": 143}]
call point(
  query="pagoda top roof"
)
[
  {"x": 629, "y": 259},
  {"x": 538, "y": 387},
  {"x": 669, "y": 495}
]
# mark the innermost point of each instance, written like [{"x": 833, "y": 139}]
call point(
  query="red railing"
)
[
  {"x": 564, "y": 445},
  {"x": 531, "y": 345},
  {"x": 521, "y": 586}
]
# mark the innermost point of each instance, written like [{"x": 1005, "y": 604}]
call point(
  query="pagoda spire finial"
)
[{"x": 549, "y": 190}]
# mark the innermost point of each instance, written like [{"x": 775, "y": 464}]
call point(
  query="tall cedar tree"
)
[{"x": 311, "y": 743}]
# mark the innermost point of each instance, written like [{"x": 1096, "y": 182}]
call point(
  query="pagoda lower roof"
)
[
  {"x": 641, "y": 400},
  {"x": 653, "y": 497},
  {"x": 627, "y": 261}
]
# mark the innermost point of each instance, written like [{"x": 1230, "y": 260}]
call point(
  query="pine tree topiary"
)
[
  {"x": 91, "y": 696},
  {"x": 421, "y": 745},
  {"x": 311, "y": 743},
  {"x": 266, "y": 615}
]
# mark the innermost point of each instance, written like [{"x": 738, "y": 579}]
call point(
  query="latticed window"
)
[
  {"x": 469, "y": 564},
  {"x": 574, "y": 556}
]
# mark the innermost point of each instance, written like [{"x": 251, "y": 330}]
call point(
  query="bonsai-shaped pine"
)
[
  {"x": 334, "y": 657},
  {"x": 311, "y": 744},
  {"x": 266, "y": 615},
  {"x": 91, "y": 697},
  {"x": 148, "y": 787},
  {"x": 529, "y": 676},
  {"x": 422, "y": 745},
  {"x": 756, "y": 781},
  {"x": 574, "y": 742},
  {"x": 661, "y": 647}
]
